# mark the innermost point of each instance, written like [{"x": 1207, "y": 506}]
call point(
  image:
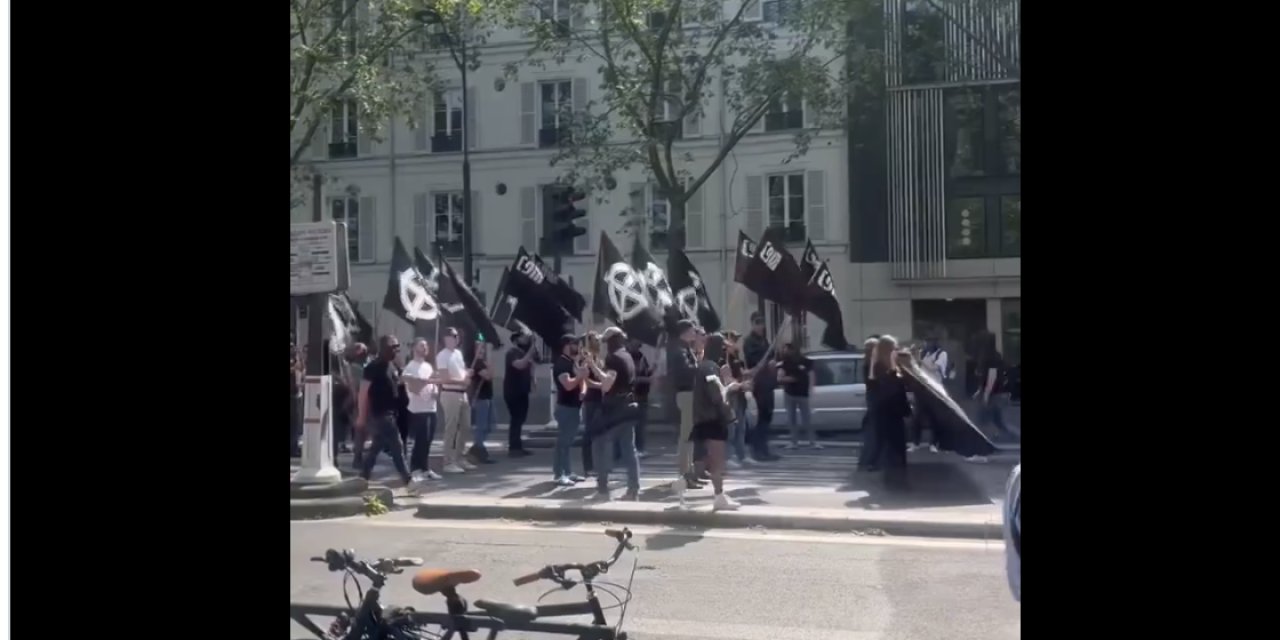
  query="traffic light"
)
[{"x": 564, "y": 227}]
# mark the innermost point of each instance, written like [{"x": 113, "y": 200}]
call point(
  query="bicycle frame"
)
[{"x": 462, "y": 626}]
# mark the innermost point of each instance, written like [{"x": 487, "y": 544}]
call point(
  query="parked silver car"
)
[{"x": 839, "y": 400}]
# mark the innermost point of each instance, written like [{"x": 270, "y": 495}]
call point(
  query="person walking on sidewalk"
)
[
  {"x": 482, "y": 415},
  {"x": 682, "y": 366},
  {"x": 992, "y": 396},
  {"x": 517, "y": 387},
  {"x": 644, "y": 378},
  {"x": 887, "y": 398},
  {"x": 937, "y": 365},
  {"x": 734, "y": 370},
  {"x": 423, "y": 397},
  {"x": 615, "y": 423},
  {"x": 763, "y": 375},
  {"x": 570, "y": 374},
  {"x": 796, "y": 374},
  {"x": 591, "y": 398},
  {"x": 453, "y": 377},
  {"x": 713, "y": 415},
  {"x": 377, "y": 413}
]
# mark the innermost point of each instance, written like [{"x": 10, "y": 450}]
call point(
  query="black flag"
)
[
  {"x": 773, "y": 273},
  {"x": 529, "y": 295},
  {"x": 364, "y": 328},
  {"x": 954, "y": 430},
  {"x": 343, "y": 326},
  {"x": 462, "y": 305},
  {"x": 690, "y": 292},
  {"x": 746, "y": 251},
  {"x": 410, "y": 294},
  {"x": 656, "y": 284},
  {"x": 566, "y": 295},
  {"x": 821, "y": 301},
  {"x": 809, "y": 261},
  {"x": 621, "y": 294}
]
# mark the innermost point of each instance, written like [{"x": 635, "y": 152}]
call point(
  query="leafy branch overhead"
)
[{"x": 666, "y": 66}]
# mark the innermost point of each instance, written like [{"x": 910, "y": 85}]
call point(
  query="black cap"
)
[
  {"x": 567, "y": 339},
  {"x": 756, "y": 316}
]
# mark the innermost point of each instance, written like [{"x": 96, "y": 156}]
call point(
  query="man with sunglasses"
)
[{"x": 377, "y": 410}]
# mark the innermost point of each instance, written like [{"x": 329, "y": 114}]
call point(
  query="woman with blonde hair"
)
[
  {"x": 869, "y": 455},
  {"x": 887, "y": 400}
]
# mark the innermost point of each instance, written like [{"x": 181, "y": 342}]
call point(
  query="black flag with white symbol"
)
[
  {"x": 410, "y": 293},
  {"x": 773, "y": 273},
  {"x": 564, "y": 293},
  {"x": 656, "y": 285},
  {"x": 809, "y": 261},
  {"x": 364, "y": 327},
  {"x": 690, "y": 292},
  {"x": 343, "y": 326},
  {"x": 622, "y": 295},
  {"x": 461, "y": 304},
  {"x": 746, "y": 251},
  {"x": 530, "y": 297},
  {"x": 952, "y": 426},
  {"x": 821, "y": 300},
  {"x": 503, "y": 305}
]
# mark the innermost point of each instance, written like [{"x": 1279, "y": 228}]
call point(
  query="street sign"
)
[{"x": 318, "y": 258}]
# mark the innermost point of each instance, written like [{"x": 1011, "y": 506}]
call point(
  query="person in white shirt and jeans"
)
[
  {"x": 423, "y": 394},
  {"x": 936, "y": 365},
  {"x": 454, "y": 379}
]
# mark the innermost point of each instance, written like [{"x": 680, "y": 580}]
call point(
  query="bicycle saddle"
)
[
  {"x": 430, "y": 581},
  {"x": 513, "y": 613}
]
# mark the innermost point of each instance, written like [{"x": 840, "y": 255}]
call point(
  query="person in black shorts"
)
[
  {"x": 712, "y": 414},
  {"x": 377, "y": 413}
]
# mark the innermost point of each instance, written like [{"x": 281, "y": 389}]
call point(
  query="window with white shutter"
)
[
  {"x": 755, "y": 207},
  {"x": 816, "y": 220},
  {"x": 529, "y": 218}
]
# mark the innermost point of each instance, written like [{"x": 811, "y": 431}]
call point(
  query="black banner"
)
[
  {"x": 343, "y": 326},
  {"x": 690, "y": 292},
  {"x": 821, "y": 301},
  {"x": 568, "y": 297},
  {"x": 955, "y": 431},
  {"x": 532, "y": 303},
  {"x": 621, "y": 294},
  {"x": 461, "y": 305},
  {"x": 809, "y": 261},
  {"x": 364, "y": 328},
  {"x": 410, "y": 294},
  {"x": 773, "y": 273},
  {"x": 746, "y": 251},
  {"x": 656, "y": 284}
]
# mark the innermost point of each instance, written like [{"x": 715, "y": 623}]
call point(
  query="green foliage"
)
[
  {"x": 665, "y": 61},
  {"x": 374, "y": 507}
]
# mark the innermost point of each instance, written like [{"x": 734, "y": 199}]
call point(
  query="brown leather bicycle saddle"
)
[{"x": 431, "y": 581}]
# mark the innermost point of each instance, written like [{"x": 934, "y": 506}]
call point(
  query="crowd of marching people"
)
[{"x": 398, "y": 403}]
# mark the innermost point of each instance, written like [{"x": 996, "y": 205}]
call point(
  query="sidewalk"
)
[{"x": 807, "y": 489}]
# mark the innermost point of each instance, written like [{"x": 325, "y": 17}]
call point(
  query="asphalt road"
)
[{"x": 692, "y": 585}]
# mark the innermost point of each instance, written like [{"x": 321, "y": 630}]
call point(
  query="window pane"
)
[
  {"x": 455, "y": 118},
  {"x": 352, "y": 126},
  {"x": 777, "y": 211},
  {"x": 339, "y": 208},
  {"x": 966, "y": 233},
  {"x": 795, "y": 103},
  {"x": 1011, "y": 225},
  {"x": 566, "y": 94},
  {"x": 795, "y": 185},
  {"x": 548, "y": 105},
  {"x": 441, "y": 121},
  {"x": 1009, "y": 115},
  {"x": 776, "y": 186},
  {"x": 965, "y": 139}
]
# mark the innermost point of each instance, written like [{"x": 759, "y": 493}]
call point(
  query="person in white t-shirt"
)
[
  {"x": 933, "y": 359},
  {"x": 423, "y": 393},
  {"x": 454, "y": 379}
]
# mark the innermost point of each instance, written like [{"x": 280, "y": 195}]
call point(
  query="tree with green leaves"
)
[
  {"x": 663, "y": 64},
  {"x": 376, "y": 59}
]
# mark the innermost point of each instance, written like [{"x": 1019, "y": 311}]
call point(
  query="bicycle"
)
[{"x": 370, "y": 621}]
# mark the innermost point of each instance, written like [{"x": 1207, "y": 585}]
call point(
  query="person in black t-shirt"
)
[
  {"x": 482, "y": 416},
  {"x": 795, "y": 372},
  {"x": 569, "y": 374},
  {"x": 615, "y": 421},
  {"x": 869, "y": 455},
  {"x": 991, "y": 395},
  {"x": 517, "y": 387},
  {"x": 377, "y": 409},
  {"x": 591, "y": 398},
  {"x": 762, "y": 373},
  {"x": 644, "y": 378},
  {"x": 736, "y": 367}
]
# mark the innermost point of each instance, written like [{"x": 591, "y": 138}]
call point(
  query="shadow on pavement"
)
[
  {"x": 665, "y": 541},
  {"x": 930, "y": 484}
]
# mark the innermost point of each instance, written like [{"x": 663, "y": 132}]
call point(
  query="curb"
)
[
  {"x": 337, "y": 507},
  {"x": 899, "y": 524}
]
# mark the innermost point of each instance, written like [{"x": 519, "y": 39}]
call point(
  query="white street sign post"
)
[{"x": 317, "y": 434}]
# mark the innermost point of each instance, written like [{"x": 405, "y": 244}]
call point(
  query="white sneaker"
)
[
  {"x": 977, "y": 459},
  {"x": 724, "y": 503},
  {"x": 733, "y": 464},
  {"x": 431, "y": 475},
  {"x": 817, "y": 445},
  {"x": 466, "y": 464},
  {"x": 911, "y": 448},
  {"x": 678, "y": 487},
  {"x": 453, "y": 468},
  {"x": 414, "y": 487},
  {"x": 417, "y": 476},
  {"x": 749, "y": 460},
  {"x": 933, "y": 448},
  {"x": 564, "y": 481}
]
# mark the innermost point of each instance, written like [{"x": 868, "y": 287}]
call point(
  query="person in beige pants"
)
[{"x": 453, "y": 378}]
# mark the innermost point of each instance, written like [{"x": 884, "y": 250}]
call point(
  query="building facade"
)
[
  {"x": 935, "y": 165},
  {"x": 409, "y": 184}
]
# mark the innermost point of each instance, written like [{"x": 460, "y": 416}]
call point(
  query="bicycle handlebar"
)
[
  {"x": 344, "y": 560},
  {"x": 556, "y": 571}
]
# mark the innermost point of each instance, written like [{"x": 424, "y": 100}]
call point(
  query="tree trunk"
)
[{"x": 676, "y": 236}]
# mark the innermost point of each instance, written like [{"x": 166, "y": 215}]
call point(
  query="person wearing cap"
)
[
  {"x": 570, "y": 374},
  {"x": 616, "y": 420},
  {"x": 682, "y": 366},
  {"x": 453, "y": 377}
]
